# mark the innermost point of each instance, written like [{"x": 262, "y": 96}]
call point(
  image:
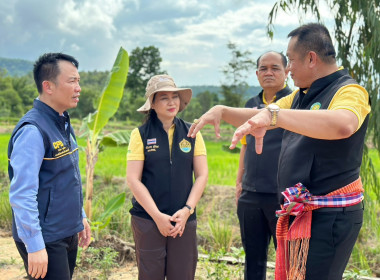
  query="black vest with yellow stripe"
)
[
  {"x": 59, "y": 194},
  {"x": 169, "y": 178},
  {"x": 321, "y": 165},
  {"x": 260, "y": 170}
]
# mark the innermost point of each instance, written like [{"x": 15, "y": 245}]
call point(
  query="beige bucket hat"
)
[{"x": 164, "y": 83}]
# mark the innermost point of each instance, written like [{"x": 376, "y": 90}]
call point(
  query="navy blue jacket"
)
[{"x": 59, "y": 197}]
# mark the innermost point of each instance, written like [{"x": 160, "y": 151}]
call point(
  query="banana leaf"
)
[
  {"x": 114, "y": 204},
  {"x": 111, "y": 95},
  {"x": 118, "y": 138}
]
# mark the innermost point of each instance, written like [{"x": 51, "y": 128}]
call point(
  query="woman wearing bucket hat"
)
[{"x": 161, "y": 163}]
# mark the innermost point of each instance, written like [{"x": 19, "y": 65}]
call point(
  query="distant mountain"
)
[
  {"x": 252, "y": 90},
  {"x": 16, "y": 67},
  {"x": 20, "y": 67}
]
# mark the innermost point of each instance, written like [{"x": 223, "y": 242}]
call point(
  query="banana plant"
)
[
  {"x": 108, "y": 104},
  {"x": 104, "y": 219}
]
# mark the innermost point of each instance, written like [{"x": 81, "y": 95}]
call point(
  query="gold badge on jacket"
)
[
  {"x": 185, "y": 146},
  {"x": 315, "y": 106},
  {"x": 60, "y": 149}
]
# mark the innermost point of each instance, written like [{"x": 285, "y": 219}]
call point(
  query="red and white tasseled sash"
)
[{"x": 293, "y": 242}]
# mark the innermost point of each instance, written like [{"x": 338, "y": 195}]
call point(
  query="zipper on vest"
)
[{"x": 170, "y": 148}]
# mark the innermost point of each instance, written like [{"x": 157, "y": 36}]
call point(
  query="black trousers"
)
[
  {"x": 256, "y": 213},
  {"x": 62, "y": 255},
  {"x": 333, "y": 236}
]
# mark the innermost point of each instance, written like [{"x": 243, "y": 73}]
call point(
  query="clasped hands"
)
[{"x": 173, "y": 225}]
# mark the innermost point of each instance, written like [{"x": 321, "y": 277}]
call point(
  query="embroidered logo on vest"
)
[
  {"x": 151, "y": 145},
  {"x": 151, "y": 141},
  {"x": 315, "y": 106},
  {"x": 152, "y": 148},
  {"x": 185, "y": 146},
  {"x": 60, "y": 149}
]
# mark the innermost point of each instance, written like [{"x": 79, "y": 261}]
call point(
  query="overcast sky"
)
[{"x": 192, "y": 35}]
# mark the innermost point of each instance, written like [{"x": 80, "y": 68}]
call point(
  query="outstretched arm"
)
[
  {"x": 231, "y": 115},
  {"x": 321, "y": 124}
]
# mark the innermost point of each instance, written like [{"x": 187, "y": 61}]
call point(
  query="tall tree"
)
[
  {"x": 207, "y": 99},
  {"x": 236, "y": 73},
  {"x": 26, "y": 89},
  {"x": 357, "y": 35},
  {"x": 88, "y": 98},
  {"x": 144, "y": 63},
  {"x": 10, "y": 103}
]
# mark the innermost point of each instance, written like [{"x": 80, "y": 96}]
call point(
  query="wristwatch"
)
[
  {"x": 273, "y": 109},
  {"x": 191, "y": 210}
]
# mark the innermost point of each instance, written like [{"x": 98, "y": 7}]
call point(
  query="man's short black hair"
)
[
  {"x": 46, "y": 67},
  {"x": 283, "y": 58},
  {"x": 314, "y": 37}
]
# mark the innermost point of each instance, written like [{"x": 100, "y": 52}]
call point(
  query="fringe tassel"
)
[
  {"x": 293, "y": 243},
  {"x": 297, "y": 258}
]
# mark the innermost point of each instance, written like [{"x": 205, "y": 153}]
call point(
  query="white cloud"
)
[
  {"x": 185, "y": 4},
  {"x": 8, "y": 19},
  {"x": 192, "y": 35},
  {"x": 205, "y": 40},
  {"x": 184, "y": 65},
  {"x": 75, "y": 47},
  {"x": 77, "y": 18}
]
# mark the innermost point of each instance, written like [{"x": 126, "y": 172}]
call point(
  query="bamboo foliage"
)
[{"x": 107, "y": 107}]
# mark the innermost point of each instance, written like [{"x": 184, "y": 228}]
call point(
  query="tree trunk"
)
[{"x": 91, "y": 159}]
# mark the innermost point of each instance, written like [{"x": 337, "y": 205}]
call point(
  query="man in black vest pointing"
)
[{"x": 325, "y": 122}]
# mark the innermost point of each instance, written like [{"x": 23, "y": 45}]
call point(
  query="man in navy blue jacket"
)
[{"x": 46, "y": 189}]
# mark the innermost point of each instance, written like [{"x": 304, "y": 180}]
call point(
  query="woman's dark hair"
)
[
  {"x": 314, "y": 37},
  {"x": 151, "y": 113},
  {"x": 46, "y": 67}
]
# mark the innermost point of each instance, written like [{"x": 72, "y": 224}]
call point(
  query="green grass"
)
[
  {"x": 222, "y": 165},
  {"x": 112, "y": 162},
  {"x": 375, "y": 160},
  {"x": 4, "y": 139}
]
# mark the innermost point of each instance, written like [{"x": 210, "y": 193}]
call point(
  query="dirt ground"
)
[{"x": 11, "y": 266}]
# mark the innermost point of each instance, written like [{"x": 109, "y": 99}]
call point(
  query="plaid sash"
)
[{"x": 293, "y": 242}]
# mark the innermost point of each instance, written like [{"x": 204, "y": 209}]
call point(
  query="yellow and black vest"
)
[
  {"x": 59, "y": 196},
  {"x": 321, "y": 165},
  {"x": 260, "y": 171},
  {"x": 169, "y": 178}
]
